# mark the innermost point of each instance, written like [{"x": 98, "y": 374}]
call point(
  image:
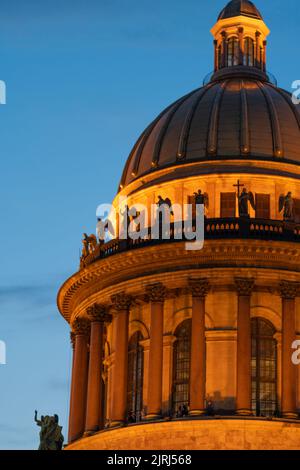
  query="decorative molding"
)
[
  {"x": 121, "y": 301},
  {"x": 289, "y": 289},
  {"x": 111, "y": 274},
  {"x": 156, "y": 292},
  {"x": 199, "y": 287},
  {"x": 244, "y": 286},
  {"x": 98, "y": 313},
  {"x": 81, "y": 327}
]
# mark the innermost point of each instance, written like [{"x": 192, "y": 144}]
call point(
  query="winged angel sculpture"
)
[
  {"x": 244, "y": 198},
  {"x": 286, "y": 204}
]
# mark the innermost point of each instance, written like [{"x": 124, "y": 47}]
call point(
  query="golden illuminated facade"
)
[{"x": 178, "y": 349}]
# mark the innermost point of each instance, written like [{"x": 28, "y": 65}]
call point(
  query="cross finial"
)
[{"x": 239, "y": 186}]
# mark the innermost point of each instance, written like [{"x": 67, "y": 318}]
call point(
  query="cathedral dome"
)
[
  {"x": 234, "y": 117},
  {"x": 238, "y": 8},
  {"x": 238, "y": 114}
]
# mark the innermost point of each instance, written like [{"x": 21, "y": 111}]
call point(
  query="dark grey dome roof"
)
[
  {"x": 234, "y": 117},
  {"x": 240, "y": 7}
]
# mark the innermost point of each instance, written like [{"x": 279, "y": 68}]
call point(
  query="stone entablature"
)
[{"x": 132, "y": 270}]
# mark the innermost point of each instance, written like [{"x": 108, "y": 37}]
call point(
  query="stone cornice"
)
[{"x": 153, "y": 262}]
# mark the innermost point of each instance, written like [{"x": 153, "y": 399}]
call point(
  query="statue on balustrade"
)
[
  {"x": 51, "y": 437},
  {"x": 244, "y": 198},
  {"x": 201, "y": 198},
  {"x": 162, "y": 203},
  {"x": 286, "y": 204}
]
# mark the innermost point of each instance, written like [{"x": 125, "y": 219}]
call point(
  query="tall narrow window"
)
[
  {"x": 249, "y": 52},
  {"x": 264, "y": 368},
  {"x": 297, "y": 210},
  {"x": 232, "y": 52},
  {"x": 262, "y": 203},
  {"x": 135, "y": 378},
  {"x": 181, "y": 368},
  {"x": 228, "y": 204}
]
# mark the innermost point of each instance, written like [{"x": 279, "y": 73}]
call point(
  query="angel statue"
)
[
  {"x": 165, "y": 202},
  {"x": 201, "y": 199},
  {"x": 243, "y": 199},
  {"x": 51, "y": 437},
  {"x": 286, "y": 203}
]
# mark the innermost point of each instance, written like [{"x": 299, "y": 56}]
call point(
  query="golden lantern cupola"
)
[{"x": 240, "y": 40}]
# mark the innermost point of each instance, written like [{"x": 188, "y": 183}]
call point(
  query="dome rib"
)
[
  {"x": 182, "y": 146},
  {"x": 287, "y": 98},
  {"x": 245, "y": 134},
  {"x": 164, "y": 129},
  {"x": 146, "y": 135},
  {"x": 237, "y": 117},
  {"x": 212, "y": 136},
  {"x": 276, "y": 131}
]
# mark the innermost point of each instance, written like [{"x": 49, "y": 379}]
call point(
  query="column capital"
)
[
  {"x": 199, "y": 287},
  {"x": 98, "y": 313},
  {"x": 72, "y": 339},
  {"x": 156, "y": 292},
  {"x": 81, "y": 327},
  {"x": 121, "y": 301},
  {"x": 244, "y": 286},
  {"x": 289, "y": 289}
]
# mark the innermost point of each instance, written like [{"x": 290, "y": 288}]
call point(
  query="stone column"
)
[
  {"x": 244, "y": 288},
  {"x": 288, "y": 291},
  {"x": 264, "y": 61},
  {"x": 79, "y": 379},
  {"x": 156, "y": 295},
  {"x": 241, "y": 45},
  {"x": 217, "y": 65},
  {"x": 98, "y": 316},
  {"x": 121, "y": 303},
  {"x": 199, "y": 289},
  {"x": 257, "y": 58},
  {"x": 224, "y": 49}
]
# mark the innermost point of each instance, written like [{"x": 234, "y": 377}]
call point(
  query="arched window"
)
[
  {"x": 232, "y": 52},
  {"x": 249, "y": 52},
  {"x": 264, "y": 368},
  {"x": 135, "y": 378},
  {"x": 181, "y": 368}
]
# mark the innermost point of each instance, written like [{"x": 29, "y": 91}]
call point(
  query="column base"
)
[
  {"x": 116, "y": 424},
  {"x": 197, "y": 412},
  {"x": 89, "y": 433},
  {"x": 152, "y": 417},
  {"x": 289, "y": 415},
  {"x": 244, "y": 412}
]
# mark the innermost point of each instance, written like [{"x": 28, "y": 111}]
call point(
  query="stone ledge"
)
[{"x": 209, "y": 434}]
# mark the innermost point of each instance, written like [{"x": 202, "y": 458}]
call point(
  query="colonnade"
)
[{"x": 88, "y": 340}]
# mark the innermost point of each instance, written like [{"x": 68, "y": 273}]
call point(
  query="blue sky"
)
[{"x": 84, "y": 78}]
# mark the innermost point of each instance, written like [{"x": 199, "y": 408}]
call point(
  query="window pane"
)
[
  {"x": 228, "y": 204},
  {"x": 181, "y": 368},
  {"x": 262, "y": 202},
  {"x": 264, "y": 368},
  {"x": 135, "y": 378}
]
